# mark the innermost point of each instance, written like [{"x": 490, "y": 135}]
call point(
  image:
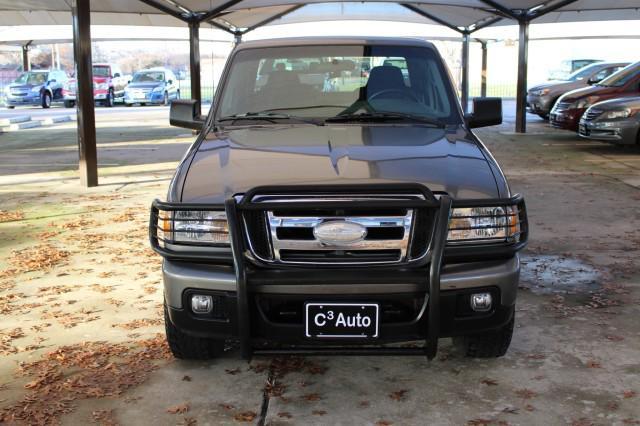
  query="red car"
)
[
  {"x": 567, "y": 112},
  {"x": 108, "y": 85}
]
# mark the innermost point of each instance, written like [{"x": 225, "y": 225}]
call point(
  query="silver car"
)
[
  {"x": 615, "y": 120},
  {"x": 541, "y": 98}
]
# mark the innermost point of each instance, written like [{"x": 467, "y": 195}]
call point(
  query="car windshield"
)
[
  {"x": 583, "y": 73},
  {"x": 323, "y": 82},
  {"x": 148, "y": 77},
  {"x": 100, "y": 71},
  {"x": 34, "y": 78},
  {"x": 622, "y": 77}
]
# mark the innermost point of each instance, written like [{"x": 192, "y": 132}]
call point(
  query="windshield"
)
[
  {"x": 320, "y": 82},
  {"x": 34, "y": 78},
  {"x": 100, "y": 71},
  {"x": 583, "y": 73},
  {"x": 148, "y": 77},
  {"x": 622, "y": 77}
]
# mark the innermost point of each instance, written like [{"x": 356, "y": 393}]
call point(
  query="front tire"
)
[
  {"x": 69, "y": 104},
  {"x": 46, "y": 100},
  {"x": 10, "y": 106},
  {"x": 184, "y": 346},
  {"x": 492, "y": 344}
]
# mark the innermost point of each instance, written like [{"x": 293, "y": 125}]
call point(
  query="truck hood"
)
[{"x": 232, "y": 161}]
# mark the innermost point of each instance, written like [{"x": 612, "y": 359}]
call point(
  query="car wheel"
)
[
  {"x": 109, "y": 101},
  {"x": 142, "y": 104},
  {"x": 544, "y": 116},
  {"x": 46, "y": 100},
  {"x": 184, "y": 346},
  {"x": 10, "y": 106},
  {"x": 165, "y": 100},
  {"x": 69, "y": 104},
  {"x": 492, "y": 344}
]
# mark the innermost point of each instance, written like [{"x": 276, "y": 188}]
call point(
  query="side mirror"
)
[
  {"x": 593, "y": 81},
  {"x": 128, "y": 81},
  {"x": 170, "y": 81},
  {"x": 116, "y": 75},
  {"x": 186, "y": 113},
  {"x": 486, "y": 112}
]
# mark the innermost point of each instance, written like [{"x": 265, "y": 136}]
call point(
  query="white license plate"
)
[{"x": 341, "y": 320}]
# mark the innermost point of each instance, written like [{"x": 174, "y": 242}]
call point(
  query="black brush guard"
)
[{"x": 434, "y": 256}]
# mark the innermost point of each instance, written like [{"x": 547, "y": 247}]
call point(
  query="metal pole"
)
[
  {"x": 81, "y": 21},
  {"x": 194, "y": 61},
  {"x": 521, "y": 95},
  {"x": 26, "y": 66},
  {"x": 483, "y": 77},
  {"x": 464, "y": 85}
]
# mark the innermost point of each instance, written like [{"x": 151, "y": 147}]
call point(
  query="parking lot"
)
[{"x": 81, "y": 299}]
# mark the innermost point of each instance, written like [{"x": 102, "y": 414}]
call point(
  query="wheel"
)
[
  {"x": 108, "y": 102},
  {"x": 69, "y": 104},
  {"x": 165, "y": 100},
  {"x": 184, "y": 346},
  {"x": 142, "y": 104},
  {"x": 46, "y": 100},
  {"x": 544, "y": 116},
  {"x": 486, "y": 345},
  {"x": 10, "y": 106}
]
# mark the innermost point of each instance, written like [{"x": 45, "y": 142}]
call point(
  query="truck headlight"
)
[
  {"x": 484, "y": 224},
  {"x": 194, "y": 227},
  {"x": 621, "y": 113}
]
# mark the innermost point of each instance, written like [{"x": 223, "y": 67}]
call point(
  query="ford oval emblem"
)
[{"x": 339, "y": 232}]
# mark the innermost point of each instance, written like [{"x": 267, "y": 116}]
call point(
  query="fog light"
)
[
  {"x": 201, "y": 304},
  {"x": 481, "y": 302}
]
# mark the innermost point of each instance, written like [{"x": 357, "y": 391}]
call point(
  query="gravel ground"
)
[{"x": 81, "y": 335}]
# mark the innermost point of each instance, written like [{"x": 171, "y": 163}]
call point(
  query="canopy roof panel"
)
[{"x": 239, "y": 16}]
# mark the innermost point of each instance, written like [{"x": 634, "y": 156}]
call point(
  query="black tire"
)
[
  {"x": 110, "y": 99},
  {"x": 46, "y": 100},
  {"x": 69, "y": 104},
  {"x": 544, "y": 116},
  {"x": 165, "y": 99},
  {"x": 184, "y": 346},
  {"x": 10, "y": 106},
  {"x": 142, "y": 104},
  {"x": 486, "y": 345}
]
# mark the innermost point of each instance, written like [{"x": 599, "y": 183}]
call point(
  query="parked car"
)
[
  {"x": 108, "y": 85},
  {"x": 303, "y": 219},
  {"x": 541, "y": 98},
  {"x": 569, "y": 66},
  {"x": 568, "y": 110},
  {"x": 40, "y": 88},
  {"x": 152, "y": 86},
  {"x": 615, "y": 120}
]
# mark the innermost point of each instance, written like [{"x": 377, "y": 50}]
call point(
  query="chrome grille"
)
[
  {"x": 292, "y": 240},
  {"x": 561, "y": 107},
  {"x": 592, "y": 113}
]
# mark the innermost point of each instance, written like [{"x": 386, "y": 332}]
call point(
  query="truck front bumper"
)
[{"x": 276, "y": 293}]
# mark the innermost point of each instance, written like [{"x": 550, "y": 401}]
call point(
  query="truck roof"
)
[{"x": 311, "y": 41}]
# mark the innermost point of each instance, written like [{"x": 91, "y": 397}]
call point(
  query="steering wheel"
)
[{"x": 402, "y": 93}]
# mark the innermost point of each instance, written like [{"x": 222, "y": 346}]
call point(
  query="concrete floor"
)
[{"x": 80, "y": 301}]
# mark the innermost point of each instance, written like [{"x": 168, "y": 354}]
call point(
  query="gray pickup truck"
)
[{"x": 328, "y": 208}]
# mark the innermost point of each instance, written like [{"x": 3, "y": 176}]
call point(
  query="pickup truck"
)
[
  {"x": 354, "y": 217},
  {"x": 108, "y": 85}
]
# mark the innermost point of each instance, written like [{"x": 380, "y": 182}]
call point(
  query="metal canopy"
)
[{"x": 238, "y": 16}]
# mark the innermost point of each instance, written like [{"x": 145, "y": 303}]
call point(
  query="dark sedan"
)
[
  {"x": 541, "y": 98},
  {"x": 617, "y": 121}
]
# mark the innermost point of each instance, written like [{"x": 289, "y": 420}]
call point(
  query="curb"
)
[{"x": 14, "y": 120}]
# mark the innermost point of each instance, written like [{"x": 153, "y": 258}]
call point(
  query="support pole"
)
[
  {"x": 521, "y": 95},
  {"x": 81, "y": 21},
  {"x": 464, "y": 84},
  {"x": 194, "y": 61},
  {"x": 483, "y": 77},
  {"x": 26, "y": 66}
]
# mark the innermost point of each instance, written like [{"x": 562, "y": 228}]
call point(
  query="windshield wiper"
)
[
  {"x": 271, "y": 117},
  {"x": 381, "y": 117}
]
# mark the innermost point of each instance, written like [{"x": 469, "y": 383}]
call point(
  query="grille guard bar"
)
[{"x": 436, "y": 253}]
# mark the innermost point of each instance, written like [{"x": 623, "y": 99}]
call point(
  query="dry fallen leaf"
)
[
  {"x": 246, "y": 416},
  {"x": 489, "y": 382},
  {"x": 526, "y": 393},
  {"x": 398, "y": 395},
  {"x": 179, "y": 409}
]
